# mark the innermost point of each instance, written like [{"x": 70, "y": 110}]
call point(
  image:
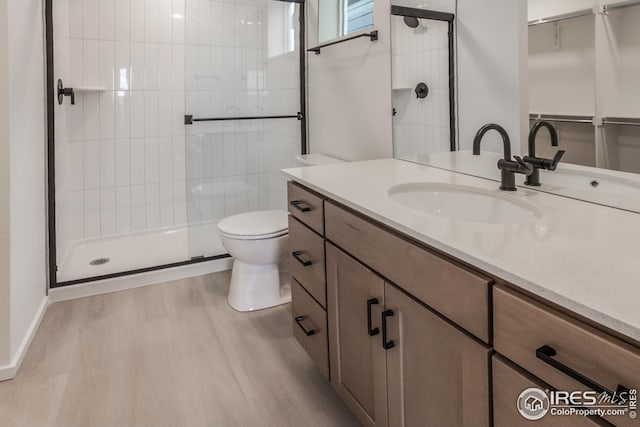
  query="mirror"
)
[
  {"x": 583, "y": 61},
  {"x": 338, "y": 18},
  {"x": 423, "y": 82}
]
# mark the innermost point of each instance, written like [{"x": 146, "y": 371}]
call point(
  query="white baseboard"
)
[
  {"x": 9, "y": 372},
  {"x": 138, "y": 280}
]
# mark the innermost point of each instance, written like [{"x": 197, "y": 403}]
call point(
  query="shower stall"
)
[{"x": 169, "y": 115}]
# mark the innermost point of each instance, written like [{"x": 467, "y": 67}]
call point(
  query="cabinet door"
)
[
  {"x": 437, "y": 375},
  {"x": 508, "y": 382},
  {"x": 357, "y": 358}
]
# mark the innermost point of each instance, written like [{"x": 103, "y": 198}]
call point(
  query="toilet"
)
[{"x": 259, "y": 241}]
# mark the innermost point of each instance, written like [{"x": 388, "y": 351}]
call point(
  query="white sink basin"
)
[
  {"x": 464, "y": 203},
  {"x": 590, "y": 182}
]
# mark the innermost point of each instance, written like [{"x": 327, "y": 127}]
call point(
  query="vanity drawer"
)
[
  {"x": 508, "y": 382},
  {"x": 306, "y": 259},
  {"x": 310, "y": 327},
  {"x": 522, "y": 326},
  {"x": 457, "y": 293},
  {"x": 306, "y": 206}
]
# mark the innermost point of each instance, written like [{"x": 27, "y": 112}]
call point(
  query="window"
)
[
  {"x": 281, "y": 28},
  {"x": 337, "y": 18},
  {"x": 358, "y": 15}
]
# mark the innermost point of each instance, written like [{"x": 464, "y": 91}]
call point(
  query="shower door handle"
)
[{"x": 65, "y": 91}]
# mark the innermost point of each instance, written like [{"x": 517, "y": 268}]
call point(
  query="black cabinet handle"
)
[
  {"x": 386, "y": 344},
  {"x": 299, "y": 320},
  {"x": 374, "y": 331},
  {"x": 301, "y": 206},
  {"x": 546, "y": 353},
  {"x": 298, "y": 257}
]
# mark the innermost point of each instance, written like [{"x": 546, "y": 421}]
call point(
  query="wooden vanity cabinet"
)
[
  {"x": 310, "y": 327},
  {"x": 306, "y": 206},
  {"x": 307, "y": 266},
  {"x": 456, "y": 292},
  {"x": 437, "y": 375},
  {"x": 355, "y": 296},
  {"x": 412, "y": 339},
  {"x": 394, "y": 361},
  {"x": 509, "y": 381},
  {"x": 524, "y": 327},
  {"x": 306, "y": 260}
]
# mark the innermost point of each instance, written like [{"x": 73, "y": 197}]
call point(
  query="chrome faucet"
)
[
  {"x": 508, "y": 168},
  {"x": 539, "y": 163}
]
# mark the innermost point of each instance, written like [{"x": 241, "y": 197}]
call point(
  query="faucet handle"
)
[
  {"x": 524, "y": 167},
  {"x": 556, "y": 160},
  {"x": 519, "y": 166}
]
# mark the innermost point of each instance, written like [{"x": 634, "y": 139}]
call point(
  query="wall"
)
[
  {"x": 492, "y": 71},
  {"x": 562, "y": 73},
  {"x": 23, "y": 267},
  {"x": 350, "y": 84},
  {"x": 544, "y": 8},
  {"x": 28, "y": 166},
  {"x": 5, "y": 214},
  {"x": 349, "y": 92}
]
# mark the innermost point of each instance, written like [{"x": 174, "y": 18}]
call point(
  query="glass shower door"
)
[
  {"x": 120, "y": 193},
  {"x": 242, "y": 103}
]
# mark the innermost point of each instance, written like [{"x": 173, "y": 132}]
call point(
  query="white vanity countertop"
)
[{"x": 579, "y": 255}]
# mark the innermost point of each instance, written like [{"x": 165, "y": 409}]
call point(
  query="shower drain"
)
[{"x": 99, "y": 261}]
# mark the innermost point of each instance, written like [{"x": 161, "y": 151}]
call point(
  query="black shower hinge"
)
[{"x": 188, "y": 119}]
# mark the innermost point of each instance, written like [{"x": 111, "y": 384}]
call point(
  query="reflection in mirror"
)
[
  {"x": 583, "y": 62},
  {"x": 337, "y": 18},
  {"x": 422, "y": 82},
  {"x": 583, "y": 68}
]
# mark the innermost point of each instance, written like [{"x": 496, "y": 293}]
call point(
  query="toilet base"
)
[{"x": 256, "y": 287}]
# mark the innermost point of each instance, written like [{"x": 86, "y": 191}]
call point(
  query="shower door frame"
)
[{"x": 51, "y": 170}]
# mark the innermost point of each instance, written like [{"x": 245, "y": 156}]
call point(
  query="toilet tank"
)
[{"x": 316, "y": 160}]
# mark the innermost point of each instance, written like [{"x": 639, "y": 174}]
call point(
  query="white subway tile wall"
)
[
  {"x": 420, "y": 55},
  {"x": 125, "y": 161},
  {"x": 242, "y": 59}
]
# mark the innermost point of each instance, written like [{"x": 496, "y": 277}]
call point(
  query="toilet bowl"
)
[{"x": 259, "y": 241}]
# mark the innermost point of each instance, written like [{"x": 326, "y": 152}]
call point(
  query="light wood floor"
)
[{"x": 168, "y": 355}]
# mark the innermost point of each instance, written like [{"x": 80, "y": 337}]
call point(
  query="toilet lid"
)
[{"x": 255, "y": 224}]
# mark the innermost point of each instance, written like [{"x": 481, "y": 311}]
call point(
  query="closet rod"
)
[
  {"x": 561, "y": 118},
  {"x": 609, "y": 7},
  {"x": 624, "y": 121},
  {"x": 562, "y": 17}
]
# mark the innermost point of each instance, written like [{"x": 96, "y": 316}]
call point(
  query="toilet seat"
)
[
  {"x": 257, "y": 225},
  {"x": 257, "y": 237}
]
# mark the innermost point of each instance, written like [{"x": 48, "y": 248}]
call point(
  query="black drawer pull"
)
[
  {"x": 386, "y": 344},
  {"x": 301, "y": 206},
  {"x": 299, "y": 320},
  {"x": 374, "y": 331},
  {"x": 297, "y": 256},
  {"x": 546, "y": 353}
]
